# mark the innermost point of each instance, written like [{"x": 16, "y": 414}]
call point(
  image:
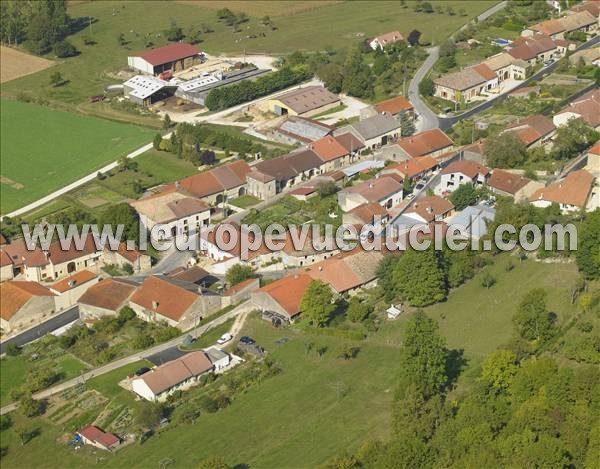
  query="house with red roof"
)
[
  {"x": 593, "y": 160},
  {"x": 586, "y": 107},
  {"x": 534, "y": 131},
  {"x": 571, "y": 193},
  {"x": 508, "y": 184},
  {"x": 178, "y": 303},
  {"x": 333, "y": 154},
  {"x": 69, "y": 290},
  {"x": 380, "y": 42},
  {"x": 106, "y": 298},
  {"x": 92, "y": 435},
  {"x": 126, "y": 255},
  {"x": 172, "y": 57},
  {"x": 384, "y": 190},
  {"x": 283, "y": 296},
  {"x": 23, "y": 304}
]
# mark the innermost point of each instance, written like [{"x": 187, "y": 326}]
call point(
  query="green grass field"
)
[
  {"x": 336, "y": 25},
  {"x": 13, "y": 371},
  {"x": 44, "y": 149},
  {"x": 318, "y": 407}
]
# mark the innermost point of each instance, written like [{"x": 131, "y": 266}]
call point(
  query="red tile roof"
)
[
  {"x": 532, "y": 128},
  {"x": 171, "y": 301},
  {"x": 431, "y": 206},
  {"x": 507, "y": 182},
  {"x": 58, "y": 255},
  {"x": 288, "y": 292},
  {"x": 588, "y": 107},
  {"x": 328, "y": 148},
  {"x": 413, "y": 167},
  {"x": 368, "y": 212},
  {"x": 595, "y": 149},
  {"x": 78, "y": 278},
  {"x": 93, "y": 433},
  {"x": 20, "y": 255},
  {"x": 107, "y": 294},
  {"x": 466, "y": 167},
  {"x": 573, "y": 190},
  {"x": 426, "y": 142},
  {"x": 169, "y": 53},
  {"x": 14, "y": 294},
  {"x": 394, "y": 105},
  {"x": 389, "y": 38},
  {"x": 350, "y": 142},
  {"x": 485, "y": 71},
  {"x": 375, "y": 190},
  {"x": 172, "y": 373}
]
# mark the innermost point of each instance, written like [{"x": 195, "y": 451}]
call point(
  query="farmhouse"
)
[
  {"x": 534, "y": 49},
  {"x": 430, "y": 208},
  {"x": 413, "y": 168},
  {"x": 106, "y": 297},
  {"x": 571, "y": 194},
  {"x": 432, "y": 142},
  {"x": 178, "y": 303},
  {"x": 333, "y": 154},
  {"x": 386, "y": 39},
  {"x": 69, "y": 290},
  {"x": 556, "y": 28},
  {"x": 588, "y": 56},
  {"x": 370, "y": 213},
  {"x": 374, "y": 131},
  {"x": 176, "y": 375},
  {"x": 171, "y": 214},
  {"x": 462, "y": 172},
  {"x": 384, "y": 191},
  {"x": 533, "y": 131},
  {"x": 305, "y": 102},
  {"x": 23, "y": 304},
  {"x": 301, "y": 130},
  {"x": 216, "y": 185},
  {"x": 269, "y": 177},
  {"x": 508, "y": 184},
  {"x": 466, "y": 85},
  {"x": 395, "y": 106},
  {"x": 351, "y": 143},
  {"x": 283, "y": 296},
  {"x": 92, "y": 435},
  {"x": 172, "y": 57},
  {"x": 123, "y": 256},
  {"x": 507, "y": 67},
  {"x": 348, "y": 271},
  {"x": 586, "y": 107}
]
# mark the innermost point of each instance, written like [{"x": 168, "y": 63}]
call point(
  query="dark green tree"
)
[
  {"x": 533, "y": 320},
  {"x": 238, "y": 273},
  {"x": 427, "y": 87},
  {"x": 463, "y": 196},
  {"x": 317, "y": 303},
  {"x": 588, "y": 246},
  {"x": 504, "y": 150},
  {"x": 419, "y": 277}
]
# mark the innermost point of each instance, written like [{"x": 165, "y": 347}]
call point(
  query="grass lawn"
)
[
  {"x": 338, "y": 108},
  {"x": 479, "y": 320},
  {"x": 323, "y": 24},
  {"x": 108, "y": 384},
  {"x": 14, "y": 370},
  {"x": 44, "y": 149},
  {"x": 244, "y": 201},
  {"x": 211, "y": 336}
]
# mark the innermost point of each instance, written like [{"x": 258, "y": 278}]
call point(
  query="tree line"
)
[{"x": 226, "y": 96}]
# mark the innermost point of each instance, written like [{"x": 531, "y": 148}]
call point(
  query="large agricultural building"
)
[
  {"x": 173, "y": 57},
  {"x": 304, "y": 102}
]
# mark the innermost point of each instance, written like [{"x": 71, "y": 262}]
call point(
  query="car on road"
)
[
  {"x": 224, "y": 338},
  {"x": 247, "y": 340},
  {"x": 419, "y": 186}
]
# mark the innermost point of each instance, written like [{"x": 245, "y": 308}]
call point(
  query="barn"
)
[{"x": 173, "y": 57}]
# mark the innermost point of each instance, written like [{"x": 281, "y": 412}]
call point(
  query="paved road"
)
[
  {"x": 197, "y": 332},
  {"x": 34, "y": 333},
  {"x": 427, "y": 118}
]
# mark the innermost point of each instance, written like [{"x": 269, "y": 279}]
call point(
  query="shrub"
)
[{"x": 64, "y": 49}]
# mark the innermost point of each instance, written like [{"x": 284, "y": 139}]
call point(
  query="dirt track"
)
[{"x": 16, "y": 64}]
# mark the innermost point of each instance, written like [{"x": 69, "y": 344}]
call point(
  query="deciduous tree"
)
[{"x": 317, "y": 303}]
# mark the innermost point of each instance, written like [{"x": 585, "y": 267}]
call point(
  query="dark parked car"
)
[
  {"x": 246, "y": 340},
  {"x": 142, "y": 371}
]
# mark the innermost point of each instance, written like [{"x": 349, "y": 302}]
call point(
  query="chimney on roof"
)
[
  {"x": 177, "y": 185},
  {"x": 429, "y": 210},
  {"x": 71, "y": 283},
  {"x": 320, "y": 268},
  {"x": 154, "y": 304}
]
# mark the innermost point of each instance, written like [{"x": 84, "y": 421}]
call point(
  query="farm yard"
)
[
  {"x": 16, "y": 64},
  {"x": 314, "y": 27},
  {"x": 43, "y": 149}
]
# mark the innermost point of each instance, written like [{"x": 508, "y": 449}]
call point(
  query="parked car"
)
[
  {"x": 142, "y": 371},
  {"x": 224, "y": 338},
  {"x": 419, "y": 186},
  {"x": 247, "y": 340}
]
